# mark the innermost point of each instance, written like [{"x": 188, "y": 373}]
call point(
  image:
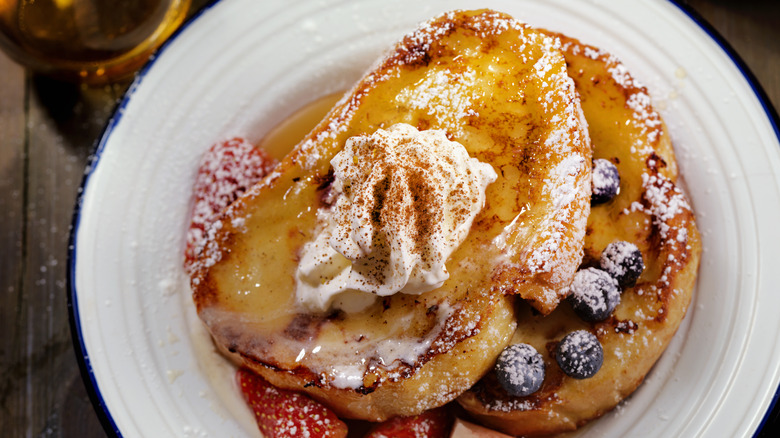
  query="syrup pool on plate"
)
[{"x": 282, "y": 138}]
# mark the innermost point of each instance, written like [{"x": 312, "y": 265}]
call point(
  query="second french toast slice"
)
[{"x": 651, "y": 212}]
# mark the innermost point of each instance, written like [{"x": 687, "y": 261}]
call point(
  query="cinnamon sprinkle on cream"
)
[{"x": 406, "y": 200}]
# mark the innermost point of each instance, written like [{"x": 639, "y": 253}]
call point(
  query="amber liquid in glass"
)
[{"x": 92, "y": 41}]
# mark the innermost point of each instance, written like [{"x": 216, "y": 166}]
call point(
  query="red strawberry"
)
[
  {"x": 282, "y": 413},
  {"x": 430, "y": 424},
  {"x": 226, "y": 171}
]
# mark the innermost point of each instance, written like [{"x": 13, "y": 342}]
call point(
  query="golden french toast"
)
[
  {"x": 501, "y": 90},
  {"x": 649, "y": 211}
]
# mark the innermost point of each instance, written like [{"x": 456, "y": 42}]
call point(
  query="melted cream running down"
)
[{"x": 405, "y": 200}]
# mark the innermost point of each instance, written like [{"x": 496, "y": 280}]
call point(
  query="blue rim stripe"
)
[
  {"x": 82, "y": 355},
  {"x": 771, "y": 113}
]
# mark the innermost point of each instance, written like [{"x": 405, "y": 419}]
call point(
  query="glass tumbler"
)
[{"x": 90, "y": 41}]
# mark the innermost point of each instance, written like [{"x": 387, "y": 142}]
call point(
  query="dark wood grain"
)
[
  {"x": 13, "y": 354},
  {"x": 64, "y": 120},
  {"x": 752, "y": 28},
  {"x": 47, "y": 130},
  {"x": 53, "y": 126}
]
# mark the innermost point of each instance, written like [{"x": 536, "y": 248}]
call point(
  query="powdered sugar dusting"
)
[
  {"x": 663, "y": 200},
  {"x": 226, "y": 171},
  {"x": 564, "y": 185},
  {"x": 510, "y": 405},
  {"x": 441, "y": 94},
  {"x": 644, "y": 117}
]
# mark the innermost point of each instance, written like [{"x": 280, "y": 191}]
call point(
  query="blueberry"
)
[
  {"x": 594, "y": 294},
  {"x": 606, "y": 181},
  {"x": 579, "y": 354},
  {"x": 623, "y": 261},
  {"x": 520, "y": 370}
]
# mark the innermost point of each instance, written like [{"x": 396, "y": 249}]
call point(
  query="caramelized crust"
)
[
  {"x": 649, "y": 211},
  {"x": 499, "y": 88}
]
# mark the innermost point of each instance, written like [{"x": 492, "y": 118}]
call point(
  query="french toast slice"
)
[
  {"x": 649, "y": 211},
  {"x": 500, "y": 89}
]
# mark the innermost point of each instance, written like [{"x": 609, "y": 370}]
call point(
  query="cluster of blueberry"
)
[
  {"x": 520, "y": 368},
  {"x": 594, "y": 294}
]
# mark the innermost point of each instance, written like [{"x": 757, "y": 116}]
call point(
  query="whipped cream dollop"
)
[{"x": 404, "y": 201}]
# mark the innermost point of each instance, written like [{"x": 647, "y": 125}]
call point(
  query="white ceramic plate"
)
[{"x": 243, "y": 66}]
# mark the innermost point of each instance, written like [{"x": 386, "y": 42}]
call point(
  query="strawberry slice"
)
[
  {"x": 281, "y": 413},
  {"x": 435, "y": 423},
  {"x": 226, "y": 171}
]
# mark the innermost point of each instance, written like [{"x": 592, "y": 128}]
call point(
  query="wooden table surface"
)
[{"x": 47, "y": 131}]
